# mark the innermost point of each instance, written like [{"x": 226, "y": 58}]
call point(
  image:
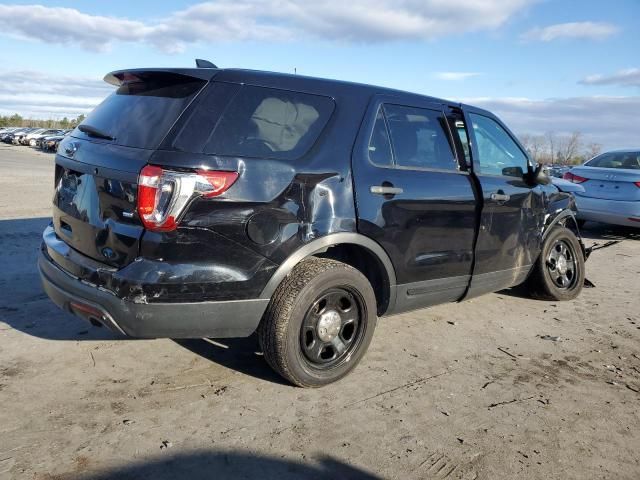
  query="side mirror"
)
[
  {"x": 513, "y": 172},
  {"x": 536, "y": 176}
]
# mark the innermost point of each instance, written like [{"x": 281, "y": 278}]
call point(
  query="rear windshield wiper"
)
[{"x": 94, "y": 132}]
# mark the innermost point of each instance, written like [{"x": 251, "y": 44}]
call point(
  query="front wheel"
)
[
  {"x": 558, "y": 274},
  {"x": 319, "y": 323}
]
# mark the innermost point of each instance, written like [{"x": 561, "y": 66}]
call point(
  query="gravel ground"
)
[{"x": 500, "y": 387}]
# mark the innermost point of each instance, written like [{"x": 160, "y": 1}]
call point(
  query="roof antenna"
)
[{"x": 200, "y": 63}]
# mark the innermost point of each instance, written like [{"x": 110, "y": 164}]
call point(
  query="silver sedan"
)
[{"x": 611, "y": 183}]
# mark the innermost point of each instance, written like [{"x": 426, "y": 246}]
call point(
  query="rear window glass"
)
[
  {"x": 141, "y": 111},
  {"x": 256, "y": 122},
  {"x": 624, "y": 160}
]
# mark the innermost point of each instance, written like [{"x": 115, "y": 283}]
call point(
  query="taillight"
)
[
  {"x": 164, "y": 194},
  {"x": 572, "y": 177},
  {"x": 637, "y": 184}
]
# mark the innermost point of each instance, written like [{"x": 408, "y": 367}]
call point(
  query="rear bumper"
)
[
  {"x": 220, "y": 319},
  {"x": 615, "y": 212}
]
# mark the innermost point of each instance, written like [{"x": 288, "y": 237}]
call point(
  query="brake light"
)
[
  {"x": 572, "y": 177},
  {"x": 164, "y": 194},
  {"x": 637, "y": 184}
]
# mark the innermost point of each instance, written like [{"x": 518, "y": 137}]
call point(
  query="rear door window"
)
[
  {"x": 380, "y": 143},
  {"x": 419, "y": 138}
]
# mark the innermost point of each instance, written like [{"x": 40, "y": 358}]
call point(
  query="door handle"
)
[
  {"x": 500, "y": 196},
  {"x": 384, "y": 190}
]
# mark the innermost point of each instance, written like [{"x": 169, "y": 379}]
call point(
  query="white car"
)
[
  {"x": 28, "y": 136},
  {"x": 32, "y": 139}
]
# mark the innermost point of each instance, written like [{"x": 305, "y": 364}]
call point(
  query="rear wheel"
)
[
  {"x": 559, "y": 271},
  {"x": 319, "y": 323}
]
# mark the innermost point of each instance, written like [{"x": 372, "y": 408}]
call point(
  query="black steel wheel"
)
[
  {"x": 331, "y": 327},
  {"x": 558, "y": 273},
  {"x": 319, "y": 322},
  {"x": 562, "y": 264}
]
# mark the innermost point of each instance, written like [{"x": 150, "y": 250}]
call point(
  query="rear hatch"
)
[
  {"x": 97, "y": 166},
  {"x": 612, "y": 176}
]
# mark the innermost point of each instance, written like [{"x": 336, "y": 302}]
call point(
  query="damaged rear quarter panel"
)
[{"x": 273, "y": 209}]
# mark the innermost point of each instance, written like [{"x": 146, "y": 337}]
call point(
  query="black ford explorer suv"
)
[{"x": 213, "y": 202}]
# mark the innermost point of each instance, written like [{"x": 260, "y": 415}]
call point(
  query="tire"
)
[
  {"x": 544, "y": 281},
  {"x": 296, "y": 319}
]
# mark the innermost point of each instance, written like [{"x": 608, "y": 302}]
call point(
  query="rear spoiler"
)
[{"x": 119, "y": 77}]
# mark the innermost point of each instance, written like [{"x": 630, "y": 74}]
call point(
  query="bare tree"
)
[
  {"x": 551, "y": 143},
  {"x": 592, "y": 150},
  {"x": 537, "y": 149},
  {"x": 568, "y": 148},
  {"x": 564, "y": 149},
  {"x": 534, "y": 144}
]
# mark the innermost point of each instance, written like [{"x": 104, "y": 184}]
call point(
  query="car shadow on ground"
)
[
  {"x": 593, "y": 233},
  {"x": 23, "y": 304},
  {"x": 230, "y": 465},
  {"x": 240, "y": 354},
  {"x": 602, "y": 231},
  {"x": 25, "y": 307}
]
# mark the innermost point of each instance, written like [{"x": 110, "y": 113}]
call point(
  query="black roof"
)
[{"x": 285, "y": 80}]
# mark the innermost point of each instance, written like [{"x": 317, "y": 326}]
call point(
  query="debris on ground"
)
[
  {"x": 504, "y": 350},
  {"x": 553, "y": 338}
]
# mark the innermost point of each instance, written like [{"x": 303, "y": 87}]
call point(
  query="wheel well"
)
[
  {"x": 567, "y": 221},
  {"x": 572, "y": 224},
  {"x": 368, "y": 264}
]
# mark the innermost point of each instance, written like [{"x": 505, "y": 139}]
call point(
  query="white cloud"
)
[
  {"x": 68, "y": 25},
  {"x": 610, "y": 121},
  {"x": 38, "y": 95},
  {"x": 455, "y": 76},
  {"x": 263, "y": 20},
  {"x": 625, "y": 78},
  {"x": 575, "y": 30}
]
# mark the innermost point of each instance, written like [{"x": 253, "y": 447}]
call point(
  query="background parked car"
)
[
  {"x": 611, "y": 183},
  {"x": 35, "y": 139},
  {"x": 50, "y": 143},
  {"x": 27, "y": 138},
  {"x": 557, "y": 171},
  {"x": 6, "y": 133},
  {"x": 17, "y": 136}
]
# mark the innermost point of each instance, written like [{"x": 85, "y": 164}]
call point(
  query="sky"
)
[{"x": 541, "y": 65}]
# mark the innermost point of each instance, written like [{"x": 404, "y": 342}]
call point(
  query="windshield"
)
[{"x": 142, "y": 110}]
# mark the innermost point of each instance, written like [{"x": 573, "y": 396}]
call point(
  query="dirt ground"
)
[{"x": 500, "y": 387}]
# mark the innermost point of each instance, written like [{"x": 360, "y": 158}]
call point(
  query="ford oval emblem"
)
[
  {"x": 108, "y": 253},
  {"x": 71, "y": 148}
]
